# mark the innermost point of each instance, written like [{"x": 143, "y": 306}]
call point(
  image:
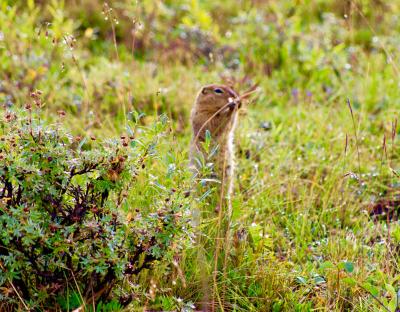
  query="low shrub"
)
[{"x": 67, "y": 233}]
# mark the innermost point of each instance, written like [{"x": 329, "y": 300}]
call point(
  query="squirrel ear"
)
[{"x": 204, "y": 90}]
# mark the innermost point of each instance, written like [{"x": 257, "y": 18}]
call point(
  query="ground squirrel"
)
[{"x": 215, "y": 110}]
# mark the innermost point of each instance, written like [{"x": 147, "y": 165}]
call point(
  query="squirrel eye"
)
[{"x": 218, "y": 90}]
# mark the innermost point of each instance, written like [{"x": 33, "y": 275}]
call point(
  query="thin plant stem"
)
[
  {"x": 356, "y": 136},
  {"x": 15, "y": 289}
]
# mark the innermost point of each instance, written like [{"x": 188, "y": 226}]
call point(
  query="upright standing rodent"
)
[{"x": 216, "y": 109}]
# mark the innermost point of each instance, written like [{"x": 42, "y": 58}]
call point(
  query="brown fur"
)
[{"x": 221, "y": 125}]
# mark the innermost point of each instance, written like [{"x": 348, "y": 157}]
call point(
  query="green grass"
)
[{"x": 305, "y": 184}]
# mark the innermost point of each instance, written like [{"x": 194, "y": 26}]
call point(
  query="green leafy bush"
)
[{"x": 63, "y": 226}]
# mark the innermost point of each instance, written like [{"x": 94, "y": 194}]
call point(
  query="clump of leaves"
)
[{"x": 63, "y": 228}]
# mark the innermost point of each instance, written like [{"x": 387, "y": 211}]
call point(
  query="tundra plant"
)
[{"x": 67, "y": 230}]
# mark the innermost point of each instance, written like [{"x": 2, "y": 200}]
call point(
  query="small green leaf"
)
[
  {"x": 277, "y": 306},
  {"x": 319, "y": 280},
  {"x": 83, "y": 141},
  {"x": 348, "y": 267},
  {"x": 326, "y": 265},
  {"x": 208, "y": 136},
  {"x": 371, "y": 289},
  {"x": 390, "y": 289},
  {"x": 129, "y": 130},
  {"x": 350, "y": 281},
  {"x": 301, "y": 280}
]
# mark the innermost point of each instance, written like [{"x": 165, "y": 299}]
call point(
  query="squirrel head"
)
[{"x": 214, "y": 97}]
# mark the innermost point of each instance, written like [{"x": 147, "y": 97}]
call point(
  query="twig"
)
[
  {"x": 108, "y": 11},
  {"x": 373, "y": 296},
  {"x": 74, "y": 60},
  {"x": 16, "y": 291},
  {"x": 80, "y": 294}
]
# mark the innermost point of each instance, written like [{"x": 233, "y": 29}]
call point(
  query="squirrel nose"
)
[
  {"x": 234, "y": 102},
  {"x": 232, "y": 105}
]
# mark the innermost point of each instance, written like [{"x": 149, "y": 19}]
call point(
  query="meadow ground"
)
[{"x": 315, "y": 223}]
